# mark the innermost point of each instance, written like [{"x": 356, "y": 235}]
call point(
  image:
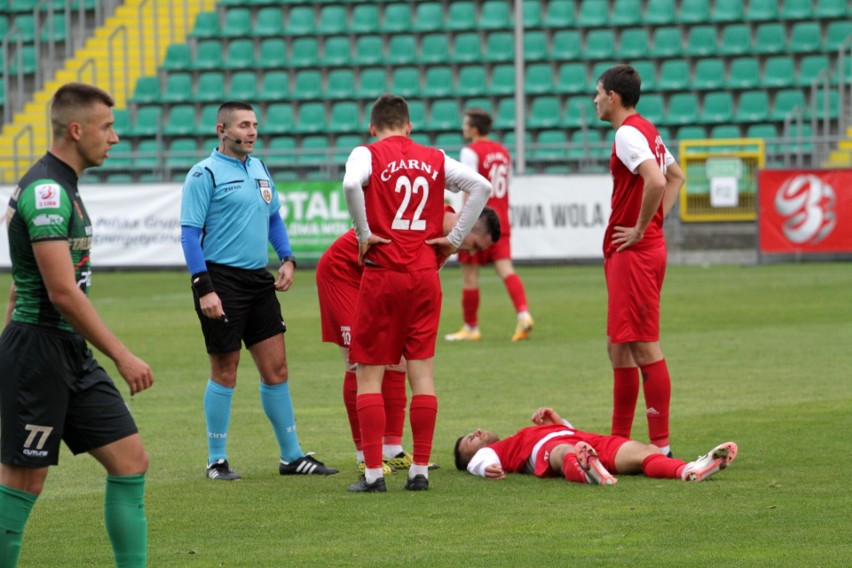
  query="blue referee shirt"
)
[{"x": 231, "y": 202}]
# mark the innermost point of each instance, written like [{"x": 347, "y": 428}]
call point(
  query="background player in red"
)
[
  {"x": 646, "y": 182},
  {"x": 554, "y": 448},
  {"x": 338, "y": 277},
  {"x": 394, "y": 190},
  {"x": 491, "y": 160}
]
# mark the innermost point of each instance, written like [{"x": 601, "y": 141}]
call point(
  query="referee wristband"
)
[
  {"x": 289, "y": 259},
  {"x": 202, "y": 284}
]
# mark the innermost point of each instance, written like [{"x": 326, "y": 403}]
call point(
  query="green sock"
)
[
  {"x": 15, "y": 507},
  {"x": 124, "y": 513}
]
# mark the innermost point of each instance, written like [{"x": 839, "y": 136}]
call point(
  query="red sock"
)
[
  {"x": 393, "y": 391},
  {"x": 422, "y": 414},
  {"x": 571, "y": 469},
  {"x": 516, "y": 291},
  {"x": 470, "y": 305},
  {"x": 625, "y": 392},
  {"x": 371, "y": 415},
  {"x": 660, "y": 466},
  {"x": 350, "y": 395},
  {"x": 658, "y": 393}
]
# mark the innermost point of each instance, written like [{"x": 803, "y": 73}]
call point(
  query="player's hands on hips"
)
[
  {"x": 443, "y": 247},
  {"x": 136, "y": 372},
  {"x": 364, "y": 246},
  {"x": 211, "y": 306},
  {"x": 545, "y": 415},
  {"x": 285, "y": 276},
  {"x": 494, "y": 471},
  {"x": 625, "y": 237}
]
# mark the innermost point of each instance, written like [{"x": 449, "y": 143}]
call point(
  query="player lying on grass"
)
[{"x": 553, "y": 447}]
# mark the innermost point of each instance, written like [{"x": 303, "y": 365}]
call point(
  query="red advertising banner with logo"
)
[{"x": 805, "y": 211}]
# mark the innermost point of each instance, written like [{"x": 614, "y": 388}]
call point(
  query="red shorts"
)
[
  {"x": 498, "y": 251},
  {"x": 634, "y": 280},
  {"x": 337, "y": 298},
  {"x": 605, "y": 446},
  {"x": 397, "y": 314}
]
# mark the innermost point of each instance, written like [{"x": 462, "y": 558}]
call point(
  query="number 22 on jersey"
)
[{"x": 418, "y": 190}]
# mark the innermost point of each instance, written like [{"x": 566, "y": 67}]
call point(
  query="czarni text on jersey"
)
[{"x": 398, "y": 165}]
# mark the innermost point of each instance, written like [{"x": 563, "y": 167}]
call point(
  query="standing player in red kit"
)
[
  {"x": 491, "y": 160},
  {"x": 646, "y": 182},
  {"x": 394, "y": 190}
]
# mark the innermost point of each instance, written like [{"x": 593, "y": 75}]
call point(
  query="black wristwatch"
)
[{"x": 290, "y": 258}]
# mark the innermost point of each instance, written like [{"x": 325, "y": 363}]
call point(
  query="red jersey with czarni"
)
[
  {"x": 494, "y": 164},
  {"x": 636, "y": 141},
  {"x": 404, "y": 199}
]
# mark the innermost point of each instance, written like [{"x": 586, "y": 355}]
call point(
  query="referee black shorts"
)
[
  {"x": 52, "y": 389},
  {"x": 251, "y": 308}
]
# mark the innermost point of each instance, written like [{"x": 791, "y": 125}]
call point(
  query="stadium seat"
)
[
  {"x": 805, "y": 37},
  {"x": 502, "y": 80},
  {"x": 550, "y": 145},
  {"x": 344, "y": 117},
  {"x": 725, "y": 11},
  {"x": 744, "y": 74},
  {"x": 567, "y": 45},
  {"x": 832, "y": 105},
  {"x": 667, "y": 42},
  {"x": 313, "y": 150},
  {"x": 365, "y": 19},
  {"x": 449, "y": 142},
  {"x": 275, "y": 86},
  {"x": 344, "y": 145},
  {"x": 532, "y": 13},
  {"x": 483, "y": 103},
  {"x": 305, "y": 52},
  {"x": 340, "y": 84},
  {"x": 467, "y": 48},
  {"x": 237, "y": 23},
  {"x": 779, "y": 71},
  {"x": 178, "y": 57},
  {"x": 147, "y": 155},
  {"x": 600, "y": 44},
  {"x": 682, "y": 109},
  {"x": 307, "y": 84},
  {"x": 505, "y": 117},
  {"x": 701, "y": 41},
  {"x": 626, "y": 13},
  {"x": 182, "y": 154},
  {"x": 709, "y": 74},
  {"x": 438, "y": 82},
  {"x": 647, "y": 73},
  {"x": 660, "y": 12},
  {"x": 559, "y": 14},
  {"x": 761, "y": 10},
  {"x": 571, "y": 78},
  {"x": 835, "y": 34},
  {"x": 301, "y": 21},
  {"x": 210, "y": 88},
  {"x": 417, "y": 114},
  {"x": 272, "y": 53},
  {"x": 310, "y": 118},
  {"x": 510, "y": 142},
  {"x": 402, "y": 49},
  {"x": 539, "y": 79},
  {"x": 280, "y": 151},
  {"x": 753, "y": 106},
  {"x": 208, "y": 56},
  {"x": 243, "y": 86},
  {"x": 332, "y": 20},
  {"x": 429, "y": 17},
  {"x": 674, "y": 75},
  {"x": 495, "y": 15},
  {"x": 397, "y": 18},
  {"x": 206, "y": 25},
  {"x": 121, "y": 118},
  {"x": 336, "y": 51},
  {"x": 499, "y": 47},
  {"x": 147, "y": 90},
  {"x": 722, "y": 131},
  {"x": 405, "y": 81},
  {"x": 181, "y": 120},
  {"x": 810, "y": 67},
  {"x": 120, "y": 156},
  {"x": 832, "y": 9},
  {"x": 444, "y": 114},
  {"x": 633, "y": 44},
  {"x": 240, "y": 54},
  {"x": 593, "y": 13},
  {"x": 796, "y": 9},
  {"x": 472, "y": 81},
  {"x": 585, "y": 144},
  {"x": 206, "y": 123},
  {"x": 579, "y": 111},
  {"x": 269, "y": 22},
  {"x": 652, "y": 107},
  {"x": 718, "y": 107},
  {"x": 691, "y": 132},
  {"x": 544, "y": 112},
  {"x": 369, "y": 50},
  {"x": 694, "y": 11},
  {"x": 597, "y": 69},
  {"x": 461, "y": 16},
  {"x": 535, "y": 46},
  {"x": 766, "y": 131},
  {"x": 735, "y": 40},
  {"x": 372, "y": 83},
  {"x": 178, "y": 88},
  {"x": 434, "y": 48},
  {"x": 770, "y": 37}
]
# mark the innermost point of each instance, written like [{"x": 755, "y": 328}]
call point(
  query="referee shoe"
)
[
  {"x": 305, "y": 465},
  {"x": 220, "y": 469}
]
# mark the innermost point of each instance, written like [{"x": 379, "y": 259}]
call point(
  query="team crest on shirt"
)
[
  {"x": 265, "y": 190},
  {"x": 47, "y": 196}
]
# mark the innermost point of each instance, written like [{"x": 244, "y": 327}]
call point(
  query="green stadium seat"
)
[
  {"x": 272, "y": 53},
  {"x": 237, "y": 23},
  {"x": 301, "y": 21},
  {"x": 505, "y": 117},
  {"x": 449, "y": 142},
  {"x": 208, "y": 55},
  {"x": 336, "y": 51},
  {"x": 332, "y": 20},
  {"x": 510, "y": 142},
  {"x": 735, "y": 40},
  {"x": 832, "y": 105},
  {"x": 691, "y": 132},
  {"x": 210, "y": 88},
  {"x": 502, "y": 80},
  {"x": 307, "y": 84},
  {"x": 467, "y": 48},
  {"x": 725, "y": 11},
  {"x": 313, "y": 150},
  {"x": 805, "y": 37},
  {"x": 243, "y": 86},
  {"x": 181, "y": 121},
  {"x": 593, "y": 13},
  {"x": 584, "y": 144},
  {"x": 652, "y": 107},
  {"x": 444, "y": 114},
  {"x": 660, "y": 12},
  {"x": 550, "y": 145},
  {"x": 597, "y": 70},
  {"x": 770, "y": 38},
  {"x": 461, "y": 16},
  {"x": 278, "y": 119},
  {"x": 178, "y": 57},
  {"x": 344, "y": 145},
  {"x": 472, "y": 81},
  {"x": 567, "y": 45},
  {"x": 667, "y": 42},
  {"x": 723, "y": 131},
  {"x": 499, "y": 47},
  {"x": 633, "y": 44},
  {"x": 56, "y": 31},
  {"x": 483, "y": 103},
  {"x": 281, "y": 151},
  {"x": 182, "y": 154},
  {"x": 835, "y": 34},
  {"x": 718, "y": 107},
  {"x": 417, "y": 114},
  {"x": 147, "y": 90},
  {"x": 369, "y": 50},
  {"x": 495, "y": 15},
  {"x": 766, "y": 131},
  {"x": 147, "y": 155},
  {"x": 365, "y": 19},
  {"x": 438, "y": 82},
  {"x": 796, "y": 9},
  {"x": 544, "y": 112},
  {"x": 344, "y": 117},
  {"x": 600, "y": 44},
  {"x": 310, "y": 118},
  {"x": 535, "y": 46},
  {"x": 779, "y": 71},
  {"x": 701, "y": 41},
  {"x": 579, "y": 111},
  {"x": 206, "y": 123},
  {"x": 372, "y": 83},
  {"x": 626, "y": 13},
  {"x": 744, "y": 74},
  {"x": 560, "y": 14},
  {"x": 434, "y": 48},
  {"x": 341, "y": 84},
  {"x": 539, "y": 79},
  {"x": 429, "y": 17},
  {"x": 694, "y": 11},
  {"x": 397, "y": 18},
  {"x": 121, "y": 117},
  {"x": 761, "y": 10},
  {"x": 753, "y": 107},
  {"x": 571, "y": 78},
  {"x": 402, "y": 49},
  {"x": 206, "y": 25},
  {"x": 117, "y": 178},
  {"x": 674, "y": 75},
  {"x": 832, "y": 9},
  {"x": 269, "y": 22},
  {"x": 682, "y": 109},
  {"x": 178, "y": 88},
  {"x": 240, "y": 54},
  {"x": 305, "y": 52},
  {"x": 709, "y": 74},
  {"x": 797, "y": 140},
  {"x": 810, "y": 68},
  {"x": 120, "y": 156},
  {"x": 532, "y": 13},
  {"x": 405, "y": 81},
  {"x": 275, "y": 86}
]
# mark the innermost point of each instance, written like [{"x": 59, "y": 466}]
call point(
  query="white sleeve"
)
[
  {"x": 568, "y": 424},
  {"x": 359, "y": 166},
  {"x": 482, "y": 459},
  {"x": 469, "y": 158},
  {"x": 632, "y": 148},
  {"x": 462, "y": 178}
]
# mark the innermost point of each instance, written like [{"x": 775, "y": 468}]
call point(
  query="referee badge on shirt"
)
[{"x": 265, "y": 190}]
